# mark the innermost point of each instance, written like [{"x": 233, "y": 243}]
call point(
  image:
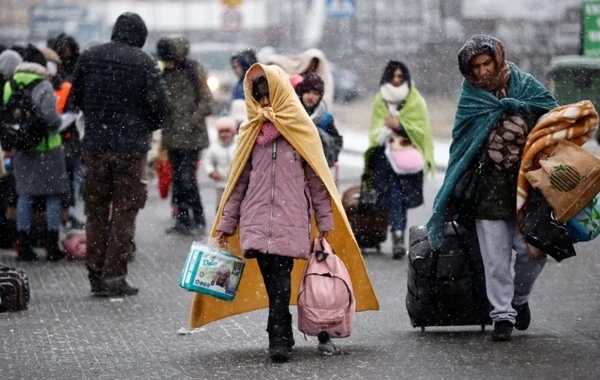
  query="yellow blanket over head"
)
[{"x": 292, "y": 121}]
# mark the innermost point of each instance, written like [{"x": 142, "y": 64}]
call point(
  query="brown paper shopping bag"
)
[{"x": 569, "y": 179}]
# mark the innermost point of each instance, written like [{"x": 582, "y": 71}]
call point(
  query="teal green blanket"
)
[{"x": 477, "y": 114}]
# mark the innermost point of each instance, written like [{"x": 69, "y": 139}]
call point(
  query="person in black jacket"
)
[{"x": 123, "y": 98}]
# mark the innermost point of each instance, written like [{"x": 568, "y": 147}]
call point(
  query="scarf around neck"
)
[
  {"x": 394, "y": 96},
  {"x": 480, "y": 45},
  {"x": 268, "y": 133}
]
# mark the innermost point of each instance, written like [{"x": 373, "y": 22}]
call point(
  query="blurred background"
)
[{"x": 357, "y": 36}]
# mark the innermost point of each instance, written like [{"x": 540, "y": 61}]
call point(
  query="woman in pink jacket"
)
[{"x": 272, "y": 203}]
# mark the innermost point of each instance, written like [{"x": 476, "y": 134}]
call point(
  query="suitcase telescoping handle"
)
[{"x": 435, "y": 258}]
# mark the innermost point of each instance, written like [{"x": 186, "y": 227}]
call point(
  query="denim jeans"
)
[
  {"x": 53, "y": 211},
  {"x": 388, "y": 187}
]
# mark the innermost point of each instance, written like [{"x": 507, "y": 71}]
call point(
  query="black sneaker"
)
[
  {"x": 119, "y": 289},
  {"x": 95, "y": 285},
  {"x": 523, "y": 318},
  {"x": 502, "y": 331}
]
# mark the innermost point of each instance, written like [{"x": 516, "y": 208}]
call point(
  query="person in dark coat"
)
[
  {"x": 67, "y": 49},
  {"x": 39, "y": 173},
  {"x": 240, "y": 63},
  {"x": 120, "y": 91},
  {"x": 184, "y": 132}
]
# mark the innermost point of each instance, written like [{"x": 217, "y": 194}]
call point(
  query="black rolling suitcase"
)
[
  {"x": 446, "y": 287},
  {"x": 14, "y": 289},
  {"x": 367, "y": 216}
]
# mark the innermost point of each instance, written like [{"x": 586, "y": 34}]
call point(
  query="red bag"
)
[{"x": 164, "y": 172}]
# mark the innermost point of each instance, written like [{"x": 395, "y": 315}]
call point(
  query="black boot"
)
[
  {"x": 94, "y": 278},
  {"x": 278, "y": 344},
  {"x": 398, "y": 249},
  {"x": 118, "y": 289},
  {"x": 289, "y": 334},
  {"x": 54, "y": 253},
  {"x": 25, "y": 253}
]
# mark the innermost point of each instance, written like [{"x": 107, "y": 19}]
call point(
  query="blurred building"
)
[{"x": 425, "y": 33}]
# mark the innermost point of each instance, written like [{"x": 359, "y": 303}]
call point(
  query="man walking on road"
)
[
  {"x": 184, "y": 132},
  {"x": 123, "y": 97},
  {"x": 498, "y": 107}
]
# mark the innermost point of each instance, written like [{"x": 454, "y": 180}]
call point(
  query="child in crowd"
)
[
  {"x": 310, "y": 91},
  {"x": 220, "y": 153}
]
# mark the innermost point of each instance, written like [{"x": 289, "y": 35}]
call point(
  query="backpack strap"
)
[{"x": 326, "y": 121}]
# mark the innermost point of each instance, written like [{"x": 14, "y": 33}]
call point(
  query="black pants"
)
[
  {"x": 277, "y": 274},
  {"x": 185, "y": 187}
]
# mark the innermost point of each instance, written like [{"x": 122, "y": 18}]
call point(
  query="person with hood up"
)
[
  {"x": 399, "y": 113},
  {"x": 240, "y": 63},
  {"x": 498, "y": 107},
  {"x": 123, "y": 97},
  {"x": 184, "y": 132},
  {"x": 39, "y": 173},
  {"x": 310, "y": 91},
  {"x": 279, "y": 176},
  {"x": 67, "y": 49},
  {"x": 220, "y": 154},
  {"x": 9, "y": 60},
  {"x": 309, "y": 61}
]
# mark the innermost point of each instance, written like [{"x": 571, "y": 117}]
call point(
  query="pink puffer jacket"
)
[{"x": 272, "y": 201}]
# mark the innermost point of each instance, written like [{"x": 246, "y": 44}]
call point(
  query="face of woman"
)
[{"x": 398, "y": 78}]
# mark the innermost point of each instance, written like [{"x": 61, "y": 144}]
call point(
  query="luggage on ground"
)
[
  {"x": 14, "y": 289},
  {"x": 325, "y": 298},
  {"x": 446, "y": 287},
  {"x": 367, "y": 215}
]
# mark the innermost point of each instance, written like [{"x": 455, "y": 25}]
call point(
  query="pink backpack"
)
[
  {"x": 325, "y": 299},
  {"x": 75, "y": 244}
]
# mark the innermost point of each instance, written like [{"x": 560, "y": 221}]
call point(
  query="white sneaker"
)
[{"x": 328, "y": 348}]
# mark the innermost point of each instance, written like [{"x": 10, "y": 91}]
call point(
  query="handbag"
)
[
  {"x": 404, "y": 159},
  {"x": 542, "y": 231}
]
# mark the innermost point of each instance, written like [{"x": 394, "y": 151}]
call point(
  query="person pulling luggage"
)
[{"x": 498, "y": 106}]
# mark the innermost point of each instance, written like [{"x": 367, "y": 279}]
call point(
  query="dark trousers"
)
[
  {"x": 277, "y": 275},
  {"x": 185, "y": 186},
  {"x": 388, "y": 187},
  {"x": 112, "y": 180}
]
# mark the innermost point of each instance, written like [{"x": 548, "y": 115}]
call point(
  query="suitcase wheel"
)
[{"x": 483, "y": 327}]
